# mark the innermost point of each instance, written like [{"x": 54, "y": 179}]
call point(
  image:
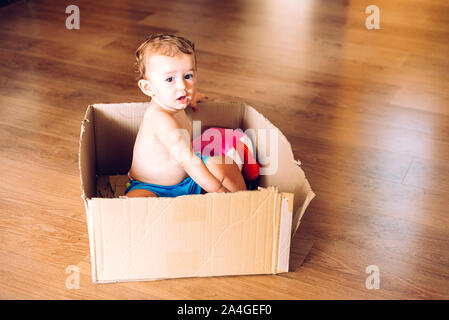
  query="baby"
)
[{"x": 164, "y": 164}]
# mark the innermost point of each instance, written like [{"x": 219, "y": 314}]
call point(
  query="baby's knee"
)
[
  {"x": 219, "y": 160},
  {"x": 221, "y": 166},
  {"x": 228, "y": 172}
]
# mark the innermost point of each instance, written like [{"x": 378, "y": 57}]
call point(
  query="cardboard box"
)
[{"x": 213, "y": 234}]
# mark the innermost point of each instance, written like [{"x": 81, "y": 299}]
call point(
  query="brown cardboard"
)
[{"x": 214, "y": 234}]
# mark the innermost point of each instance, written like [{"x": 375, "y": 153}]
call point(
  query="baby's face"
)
[{"x": 172, "y": 79}]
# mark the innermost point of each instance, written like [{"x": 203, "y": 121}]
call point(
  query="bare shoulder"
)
[{"x": 161, "y": 122}]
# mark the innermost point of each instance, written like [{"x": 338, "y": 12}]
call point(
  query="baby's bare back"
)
[{"x": 152, "y": 162}]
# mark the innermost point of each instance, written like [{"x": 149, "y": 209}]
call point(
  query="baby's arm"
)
[{"x": 177, "y": 141}]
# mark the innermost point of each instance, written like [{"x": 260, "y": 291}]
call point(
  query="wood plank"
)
[{"x": 366, "y": 112}]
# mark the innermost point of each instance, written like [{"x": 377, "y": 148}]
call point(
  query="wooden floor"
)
[{"x": 366, "y": 111}]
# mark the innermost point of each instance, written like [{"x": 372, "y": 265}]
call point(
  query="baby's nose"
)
[{"x": 181, "y": 84}]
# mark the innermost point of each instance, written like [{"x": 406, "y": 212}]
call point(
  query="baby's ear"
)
[{"x": 146, "y": 87}]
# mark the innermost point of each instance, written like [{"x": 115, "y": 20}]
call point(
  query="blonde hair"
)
[{"x": 165, "y": 44}]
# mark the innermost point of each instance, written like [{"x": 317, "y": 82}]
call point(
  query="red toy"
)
[{"x": 232, "y": 143}]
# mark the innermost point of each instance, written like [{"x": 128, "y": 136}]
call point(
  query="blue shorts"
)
[{"x": 187, "y": 186}]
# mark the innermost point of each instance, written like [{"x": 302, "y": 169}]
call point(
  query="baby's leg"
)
[
  {"x": 140, "y": 193},
  {"x": 226, "y": 170}
]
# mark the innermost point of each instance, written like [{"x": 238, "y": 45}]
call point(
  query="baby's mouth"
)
[{"x": 183, "y": 99}]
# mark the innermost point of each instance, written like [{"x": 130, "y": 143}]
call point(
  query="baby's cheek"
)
[{"x": 193, "y": 89}]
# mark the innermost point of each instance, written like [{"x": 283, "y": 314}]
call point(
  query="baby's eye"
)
[
  {"x": 188, "y": 76},
  {"x": 170, "y": 79}
]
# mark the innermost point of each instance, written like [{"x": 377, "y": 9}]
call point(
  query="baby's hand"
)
[{"x": 199, "y": 97}]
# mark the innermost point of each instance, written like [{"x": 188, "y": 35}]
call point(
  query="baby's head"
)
[{"x": 167, "y": 70}]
